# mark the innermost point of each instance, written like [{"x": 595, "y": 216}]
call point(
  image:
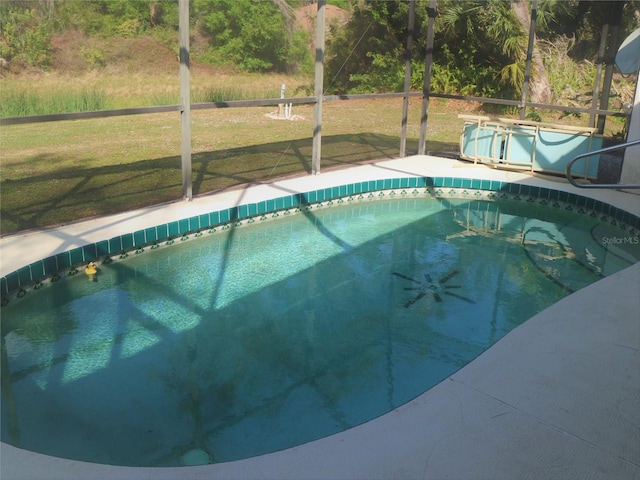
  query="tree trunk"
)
[
  {"x": 539, "y": 87},
  {"x": 153, "y": 13}
]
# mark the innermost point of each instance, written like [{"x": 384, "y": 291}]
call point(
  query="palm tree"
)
[
  {"x": 491, "y": 32},
  {"x": 540, "y": 89}
]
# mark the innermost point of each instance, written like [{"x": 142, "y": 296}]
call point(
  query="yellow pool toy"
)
[{"x": 91, "y": 271}]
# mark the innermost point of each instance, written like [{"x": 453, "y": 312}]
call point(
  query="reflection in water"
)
[{"x": 263, "y": 337}]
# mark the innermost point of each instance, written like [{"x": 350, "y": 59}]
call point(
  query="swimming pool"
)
[{"x": 395, "y": 289}]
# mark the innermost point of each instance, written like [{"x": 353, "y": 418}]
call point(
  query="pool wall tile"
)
[
  {"x": 89, "y": 252},
  {"x": 204, "y": 221},
  {"x": 24, "y": 276},
  {"x": 63, "y": 260},
  {"x": 51, "y": 265},
  {"x": 127, "y": 241},
  {"x": 115, "y": 244},
  {"x": 183, "y": 226},
  {"x": 37, "y": 270},
  {"x": 162, "y": 231},
  {"x": 271, "y": 206},
  {"x": 77, "y": 256},
  {"x": 174, "y": 230},
  {"x": 597, "y": 206},
  {"x": 102, "y": 248},
  {"x": 139, "y": 238},
  {"x": 11, "y": 282},
  {"x": 194, "y": 223},
  {"x": 151, "y": 234},
  {"x": 329, "y": 194}
]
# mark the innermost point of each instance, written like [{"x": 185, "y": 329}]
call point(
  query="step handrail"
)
[{"x": 573, "y": 182}]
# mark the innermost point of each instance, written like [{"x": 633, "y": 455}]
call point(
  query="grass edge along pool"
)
[{"x": 17, "y": 284}]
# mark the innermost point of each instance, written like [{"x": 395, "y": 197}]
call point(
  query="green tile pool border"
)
[{"x": 34, "y": 274}]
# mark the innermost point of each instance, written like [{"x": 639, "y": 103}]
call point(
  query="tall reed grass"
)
[
  {"x": 227, "y": 94},
  {"x": 17, "y": 102},
  {"x": 214, "y": 94}
]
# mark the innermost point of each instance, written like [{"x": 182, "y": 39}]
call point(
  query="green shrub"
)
[
  {"x": 25, "y": 37},
  {"x": 93, "y": 56},
  {"x": 129, "y": 28}
]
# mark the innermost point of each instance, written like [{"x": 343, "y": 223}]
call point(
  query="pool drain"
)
[
  {"x": 196, "y": 456},
  {"x": 431, "y": 287}
]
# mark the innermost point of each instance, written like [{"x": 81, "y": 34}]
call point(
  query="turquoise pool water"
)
[{"x": 273, "y": 334}]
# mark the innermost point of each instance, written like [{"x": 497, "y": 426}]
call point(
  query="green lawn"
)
[{"x": 59, "y": 172}]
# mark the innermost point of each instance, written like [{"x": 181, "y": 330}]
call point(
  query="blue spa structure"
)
[{"x": 527, "y": 145}]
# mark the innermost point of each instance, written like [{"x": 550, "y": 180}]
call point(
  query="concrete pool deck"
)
[{"x": 557, "y": 398}]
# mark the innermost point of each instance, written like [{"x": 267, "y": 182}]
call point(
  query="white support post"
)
[
  {"x": 319, "y": 90},
  {"x": 185, "y": 99},
  {"x": 280, "y": 105}
]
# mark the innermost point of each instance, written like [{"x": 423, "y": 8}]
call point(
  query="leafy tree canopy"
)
[
  {"x": 479, "y": 45},
  {"x": 255, "y": 35}
]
